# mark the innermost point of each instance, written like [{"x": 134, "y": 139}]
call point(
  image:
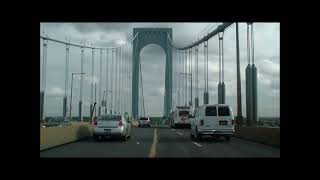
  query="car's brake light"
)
[{"x": 121, "y": 123}]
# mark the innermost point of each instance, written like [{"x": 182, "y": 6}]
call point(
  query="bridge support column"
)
[
  {"x": 223, "y": 93},
  {"x": 254, "y": 95},
  {"x": 42, "y": 105},
  {"x": 80, "y": 111},
  {"x": 239, "y": 117},
  {"x": 220, "y": 93},
  {"x": 206, "y": 98},
  {"x": 249, "y": 107},
  {"x": 135, "y": 83},
  {"x": 65, "y": 107},
  {"x": 196, "y": 101},
  {"x": 91, "y": 109}
]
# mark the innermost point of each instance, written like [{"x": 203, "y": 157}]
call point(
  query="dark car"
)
[{"x": 57, "y": 122}]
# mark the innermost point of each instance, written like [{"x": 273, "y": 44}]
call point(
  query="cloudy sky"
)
[{"x": 267, "y": 60}]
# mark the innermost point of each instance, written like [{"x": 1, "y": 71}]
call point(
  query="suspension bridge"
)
[{"x": 123, "y": 91}]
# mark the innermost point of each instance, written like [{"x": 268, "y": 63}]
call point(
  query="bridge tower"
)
[{"x": 147, "y": 36}]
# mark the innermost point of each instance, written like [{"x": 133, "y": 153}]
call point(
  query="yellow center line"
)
[{"x": 152, "y": 153}]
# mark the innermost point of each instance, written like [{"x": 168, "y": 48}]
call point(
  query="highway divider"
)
[
  {"x": 264, "y": 135},
  {"x": 55, "y": 136}
]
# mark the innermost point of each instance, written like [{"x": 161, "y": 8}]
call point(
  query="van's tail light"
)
[
  {"x": 233, "y": 122},
  {"x": 121, "y": 123},
  {"x": 201, "y": 122}
]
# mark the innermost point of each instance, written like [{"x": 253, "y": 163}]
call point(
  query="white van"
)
[
  {"x": 215, "y": 120},
  {"x": 180, "y": 116}
]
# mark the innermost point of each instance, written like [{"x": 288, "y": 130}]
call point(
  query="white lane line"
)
[
  {"x": 152, "y": 153},
  {"x": 173, "y": 129},
  {"x": 197, "y": 144},
  {"x": 179, "y": 133},
  {"x": 138, "y": 143}
]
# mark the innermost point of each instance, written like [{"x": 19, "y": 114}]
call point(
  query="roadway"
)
[{"x": 162, "y": 142}]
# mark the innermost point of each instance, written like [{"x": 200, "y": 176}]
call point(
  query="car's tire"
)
[
  {"x": 197, "y": 134},
  {"x": 124, "y": 138},
  {"x": 227, "y": 138},
  {"x": 97, "y": 138},
  {"x": 192, "y": 136}
]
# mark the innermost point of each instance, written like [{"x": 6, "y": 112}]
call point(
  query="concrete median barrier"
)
[
  {"x": 55, "y": 136},
  {"x": 265, "y": 135}
]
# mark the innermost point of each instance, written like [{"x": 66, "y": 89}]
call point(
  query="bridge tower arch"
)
[{"x": 147, "y": 36}]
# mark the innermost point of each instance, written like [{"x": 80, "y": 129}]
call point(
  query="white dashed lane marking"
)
[
  {"x": 179, "y": 133},
  {"x": 197, "y": 144}
]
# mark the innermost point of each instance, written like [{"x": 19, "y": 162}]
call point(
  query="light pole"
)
[
  {"x": 43, "y": 80},
  {"x": 71, "y": 93}
]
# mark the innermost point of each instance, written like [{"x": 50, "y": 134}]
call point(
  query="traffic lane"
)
[
  {"x": 138, "y": 145},
  {"x": 236, "y": 147},
  {"x": 176, "y": 143}
]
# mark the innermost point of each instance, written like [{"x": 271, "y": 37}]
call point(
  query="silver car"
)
[{"x": 112, "y": 126}]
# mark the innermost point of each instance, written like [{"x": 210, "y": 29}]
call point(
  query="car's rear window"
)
[
  {"x": 211, "y": 111},
  {"x": 110, "y": 118},
  {"x": 143, "y": 118},
  {"x": 182, "y": 113},
  {"x": 223, "y": 111}
]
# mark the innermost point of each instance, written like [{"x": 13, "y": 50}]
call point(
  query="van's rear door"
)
[
  {"x": 224, "y": 117},
  {"x": 210, "y": 120}
]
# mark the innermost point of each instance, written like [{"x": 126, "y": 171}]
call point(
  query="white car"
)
[
  {"x": 112, "y": 126},
  {"x": 144, "y": 121},
  {"x": 214, "y": 120}
]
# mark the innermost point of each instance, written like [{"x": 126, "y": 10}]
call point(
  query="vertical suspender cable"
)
[
  {"x": 81, "y": 83},
  {"x": 248, "y": 44},
  {"x": 112, "y": 79},
  {"x": 100, "y": 82},
  {"x": 116, "y": 82},
  {"x": 204, "y": 63},
  {"x": 92, "y": 75},
  {"x": 252, "y": 43},
  {"x": 197, "y": 72},
  {"x": 207, "y": 52},
  {"x": 120, "y": 80},
  {"x": 107, "y": 56},
  {"x": 219, "y": 60}
]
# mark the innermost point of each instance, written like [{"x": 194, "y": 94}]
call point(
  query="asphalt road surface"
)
[{"x": 162, "y": 142}]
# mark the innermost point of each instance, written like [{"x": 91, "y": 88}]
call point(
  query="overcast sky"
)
[{"x": 266, "y": 49}]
